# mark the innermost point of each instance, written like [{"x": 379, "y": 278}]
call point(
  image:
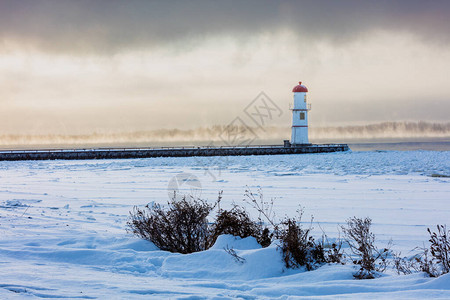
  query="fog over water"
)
[{"x": 387, "y": 132}]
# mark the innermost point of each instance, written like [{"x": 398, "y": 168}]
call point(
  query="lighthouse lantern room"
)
[{"x": 300, "y": 116}]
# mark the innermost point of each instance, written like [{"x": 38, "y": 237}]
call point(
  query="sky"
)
[{"x": 78, "y": 67}]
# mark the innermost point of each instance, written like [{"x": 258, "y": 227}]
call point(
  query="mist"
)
[{"x": 214, "y": 136}]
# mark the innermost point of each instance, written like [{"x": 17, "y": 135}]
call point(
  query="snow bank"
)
[
  {"x": 216, "y": 263},
  {"x": 62, "y": 225}
]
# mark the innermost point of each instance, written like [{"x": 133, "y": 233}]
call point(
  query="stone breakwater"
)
[{"x": 114, "y": 153}]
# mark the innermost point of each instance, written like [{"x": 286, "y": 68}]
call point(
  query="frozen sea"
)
[{"x": 62, "y": 224}]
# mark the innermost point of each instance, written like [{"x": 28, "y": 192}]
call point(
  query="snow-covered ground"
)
[{"x": 62, "y": 224}]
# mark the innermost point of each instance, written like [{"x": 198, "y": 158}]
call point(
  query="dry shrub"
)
[
  {"x": 424, "y": 263},
  {"x": 298, "y": 248},
  {"x": 233, "y": 254},
  {"x": 440, "y": 247},
  {"x": 362, "y": 243},
  {"x": 436, "y": 260},
  {"x": 182, "y": 227},
  {"x": 334, "y": 253},
  {"x": 265, "y": 211},
  {"x": 404, "y": 265},
  {"x": 265, "y": 239},
  {"x": 333, "y": 250},
  {"x": 237, "y": 222}
]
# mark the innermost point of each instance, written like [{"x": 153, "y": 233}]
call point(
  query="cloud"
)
[
  {"x": 383, "y": 77},
  {"x": 77, "y": 67},
  {"x": 110, "y": 26}
]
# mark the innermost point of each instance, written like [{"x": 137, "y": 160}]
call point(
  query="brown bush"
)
[
  {"x": 440, "y": 247},
  {"x": 299, "y": 249},
  {"x": 362, "y": 243},
  {"x": 237, "y": 222},
  {"x": 182, "y": 227},
  {"x": 334, "y": 253},
  {"x": 436, "y": 260}
]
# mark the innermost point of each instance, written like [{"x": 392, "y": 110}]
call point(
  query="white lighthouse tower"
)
[{"x": 300, "y": 116}]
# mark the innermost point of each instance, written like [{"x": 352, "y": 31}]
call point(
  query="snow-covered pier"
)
[{"x": 116, "y": 153}]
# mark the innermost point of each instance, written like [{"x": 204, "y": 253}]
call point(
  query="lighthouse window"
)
[
  {"x": 305, "y": 98},
  {"x": 302, "y": 116}
]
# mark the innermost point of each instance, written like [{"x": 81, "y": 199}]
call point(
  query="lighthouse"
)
[{"x": 300, "y": 116}]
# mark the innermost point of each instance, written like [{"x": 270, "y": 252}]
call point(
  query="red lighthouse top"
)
[{"x": 300, "y": 88}]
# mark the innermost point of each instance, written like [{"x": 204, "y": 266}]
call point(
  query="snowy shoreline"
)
[{"x": 62, "y": 224}]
